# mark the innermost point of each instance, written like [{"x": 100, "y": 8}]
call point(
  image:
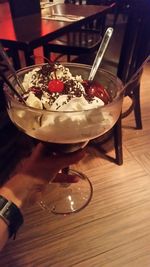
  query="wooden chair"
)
[
  {"x": 83, "y": 40},
  {"x": 18, "y": 9},
  {"x": 134, "y": 50}
]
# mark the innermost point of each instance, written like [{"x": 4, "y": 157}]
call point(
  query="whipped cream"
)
[{"x": 72, "y": 99}]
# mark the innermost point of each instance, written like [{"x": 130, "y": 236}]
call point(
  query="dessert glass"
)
[{"x": 66, "y": 132}]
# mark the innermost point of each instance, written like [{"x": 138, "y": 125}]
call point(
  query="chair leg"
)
[
  {"x": 68, "y": 58},
  {"x": 116, "y": 16},
  {"x": 46, "y": 52},
  {"x": 29, "y": 57},
  {"x": 16, "y": 59},
  {"x": 118, "y": 142},
  {"x": 14, "y": 55},
  {"x": 137, "y": 108}
]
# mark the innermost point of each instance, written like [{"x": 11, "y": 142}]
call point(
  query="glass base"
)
[{"x": 67, "y": 198}]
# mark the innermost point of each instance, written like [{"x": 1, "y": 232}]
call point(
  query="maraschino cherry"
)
[
  {"x": 95, "y": 89},
  {"x": 55, "y": 86}
]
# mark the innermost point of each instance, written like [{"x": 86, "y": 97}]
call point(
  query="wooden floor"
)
[{"x": 114, "y": 229}]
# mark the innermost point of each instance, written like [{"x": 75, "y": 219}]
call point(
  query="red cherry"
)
[
  {"x": 96, "y": 89},
  {"x": 55, "y": 86}
]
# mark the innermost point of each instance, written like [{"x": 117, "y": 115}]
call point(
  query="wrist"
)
[
  {"x": 16, "y": 190},
  {"x": 11, "y": 216},
  {"x": 8, "y": 193}
]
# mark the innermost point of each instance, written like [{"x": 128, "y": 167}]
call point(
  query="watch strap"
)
[{"x": 12, "y": 216}]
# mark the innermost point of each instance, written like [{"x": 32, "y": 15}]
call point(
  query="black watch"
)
[{"x": 12, "y": 216}]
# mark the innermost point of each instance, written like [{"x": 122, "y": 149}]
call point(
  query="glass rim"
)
[{"x": 67, "y": 64}]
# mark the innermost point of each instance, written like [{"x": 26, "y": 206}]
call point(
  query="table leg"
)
[
  {"x": 29, "y": 58},
  {"x": 16, "y": 59},
  {"x": 118, "y": 142}
]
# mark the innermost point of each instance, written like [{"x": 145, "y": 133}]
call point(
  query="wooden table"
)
[{"x": 29, "y": 32}]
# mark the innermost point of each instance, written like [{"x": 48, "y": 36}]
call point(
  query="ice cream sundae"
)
[{"x": 62, "y": 106}]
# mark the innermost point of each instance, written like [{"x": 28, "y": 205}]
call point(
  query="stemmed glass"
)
[{"x": 66, "y": 132}]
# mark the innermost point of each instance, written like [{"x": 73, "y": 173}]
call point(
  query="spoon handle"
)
[
  {"x": 100, "y": 53},
  {"x": 9, "y": 65}
]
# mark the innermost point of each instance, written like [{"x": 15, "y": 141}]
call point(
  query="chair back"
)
[
  {"x": 100, "y": 23},
  {"x": 99, "y": 2},
  {"x": 136, "y": 42},
  {"x": 77, "y": 2}
]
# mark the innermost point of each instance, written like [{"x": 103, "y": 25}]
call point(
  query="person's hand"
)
[
  {"x": 44, "y": 167},
  {"x": 35, "y": 172}
]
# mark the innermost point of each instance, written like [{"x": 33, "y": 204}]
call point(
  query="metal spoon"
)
[
  {"x": 11, "y": 68},
  {"x": 100, "y": 53}
]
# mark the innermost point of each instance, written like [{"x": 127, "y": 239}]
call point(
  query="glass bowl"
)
[
  {"x": 67, "y": 131},
  {"x": 68, "y": 127}
]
